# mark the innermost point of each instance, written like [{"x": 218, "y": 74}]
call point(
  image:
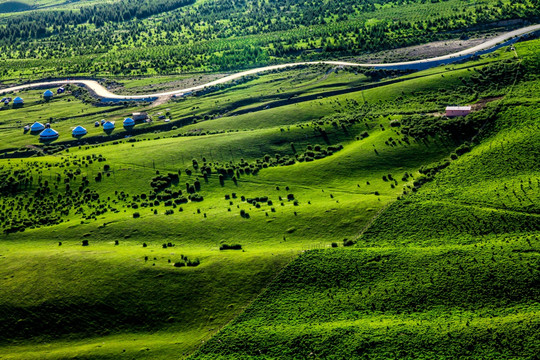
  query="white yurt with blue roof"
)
[
  {"x": 129, "y": 122},
  {"x": 48, "y": 135},
  {"x": 48, "y": 95},
  {"x": 79, "y": 131},
  {"x": 108, "y": 125},
  {"x": 37, "y": 126},
  {"x": 18, "y": 101}
]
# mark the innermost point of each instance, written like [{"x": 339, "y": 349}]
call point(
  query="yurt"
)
[
  {"x": 79, "y": 131},
  {"x": 18, "y": 101},
  {"x": 48, "y": 135},
  {"x": 47, "y": 95},
  {"x": 108, "y": 126},
  {"x": 37, "y": 127},
  {"x": 96, "y": 124},
  {"x": 129, "y": 123}
]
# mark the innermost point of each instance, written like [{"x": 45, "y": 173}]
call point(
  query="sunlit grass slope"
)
[
  {"x": 449, "y": 271},
  {"x": 137, "y": 202}
]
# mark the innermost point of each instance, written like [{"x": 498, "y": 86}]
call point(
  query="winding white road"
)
[{"x": 105, "y": 94}]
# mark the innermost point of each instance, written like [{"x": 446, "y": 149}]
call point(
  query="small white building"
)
[
  {"x": 139, "y": 116},
  {"x": 452, "y": 111}
]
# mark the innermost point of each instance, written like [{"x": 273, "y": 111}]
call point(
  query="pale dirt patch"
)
[
  {"x": 196, "y": 80},
  {"x": 160, "y": 101},
  {"x": 424, "y": 51},
  {"x": 480, "y": 104}
]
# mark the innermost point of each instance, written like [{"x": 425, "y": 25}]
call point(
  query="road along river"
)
[{"x": 106, "y": 96}]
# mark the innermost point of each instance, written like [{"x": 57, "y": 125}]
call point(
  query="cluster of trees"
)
[
  {"x": 185, "y": 261},
  {"x": 234, "y": 170},
  {"x": 43, "y": 202},
  {"x": 222, "y": 35},
  {"x": 45, "y": 23}
]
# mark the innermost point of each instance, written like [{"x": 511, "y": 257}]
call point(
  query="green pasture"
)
[
  {"x": 449, "y": 271},
  {"x": 447, "y": 268}
]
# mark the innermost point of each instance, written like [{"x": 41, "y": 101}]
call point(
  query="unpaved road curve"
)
[{"x": 105, "y": 94}]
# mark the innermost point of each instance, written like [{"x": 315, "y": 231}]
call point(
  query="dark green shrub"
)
[
  {"x": 193, "y": 263},
  {"x": 347, "y": 242},
  {"x": 196, "y": 197},
  {"x": 230, "y": 247},
  {"x": 462, "y": 149}
]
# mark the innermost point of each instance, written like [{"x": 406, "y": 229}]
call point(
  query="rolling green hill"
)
[
  {"x": 309, "y": 212},
  {"x": 449, "y": 271}
]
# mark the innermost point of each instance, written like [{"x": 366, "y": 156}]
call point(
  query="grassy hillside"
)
[
  {"x": 442, "y": 302},
  {"x": 145, "y": 246},
  {"x": 451, "y": 270}
]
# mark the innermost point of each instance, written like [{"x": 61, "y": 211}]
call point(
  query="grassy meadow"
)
[{"x": 310, "y": 212}]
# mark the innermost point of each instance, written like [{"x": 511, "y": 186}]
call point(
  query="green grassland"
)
[
  {"x": 283, "y": 164},
  {"x": 449, "y": 271},
  {"x": 302, "y": 95}
]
